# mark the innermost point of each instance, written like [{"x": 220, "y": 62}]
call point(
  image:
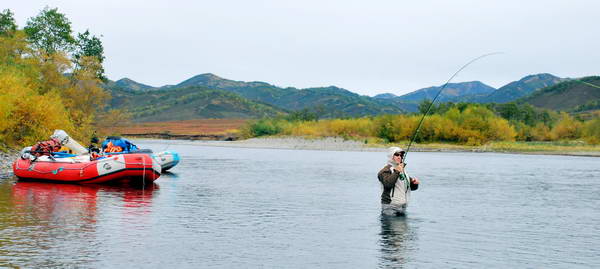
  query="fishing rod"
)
[{"x": 414, "y": 136}]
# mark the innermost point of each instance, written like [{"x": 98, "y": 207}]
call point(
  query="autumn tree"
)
[
  {"x": 49, "y": 80},
  {"x": 90, "y": 46},
  {"x": 7, "y": 23},
  {"x": 28, "y": 114},
  {"x": 50, "y": 32},
  {"x": 566, "y": 128}
]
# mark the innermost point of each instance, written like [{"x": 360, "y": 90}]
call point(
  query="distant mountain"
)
[
  {"x": 252, "y": 90},
  {"x": 474, "y": 92},
  {"x": 210, "y": 96},
  {"x": 328, "y": 101},
  {"x": 336, "y": 102},
  {"x": 385, "y": 96},
  {"x": 331, "y": 101},
  {"x": 518, "y": 89},
  {"x": 410, "y": 107},
  {"x": 567, "y": 95},
  {"x": 214, "y": 81},
  {"x": 189, "y": 103},
  {"x": 452, "y": 92},
  {"x": 129, "y": 84}
]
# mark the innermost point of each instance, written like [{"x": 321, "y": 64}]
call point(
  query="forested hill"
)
[
  {"x": 452, "y": 92},
  {"x": 257, "y": 99},
  {"x": 189, "y": 103},
  {"x": 570, "y": 95},
  {"x": 518, "y": 89},
  {"x": 126, "y": 83},
  {"x": 327, "y": 101},
  {"x": 477, "y": 92},
  {"x": 330, "y": 101}
]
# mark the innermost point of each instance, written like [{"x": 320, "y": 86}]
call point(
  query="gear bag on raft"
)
[
  {"x": 118, "y": 144},
  {"x": 45, "y": 147}
]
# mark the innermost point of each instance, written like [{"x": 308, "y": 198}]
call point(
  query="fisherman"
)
[{"x": 396, "y": 184}]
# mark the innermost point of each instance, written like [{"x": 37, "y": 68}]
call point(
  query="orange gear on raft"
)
[{"x": 112, "y": 148}]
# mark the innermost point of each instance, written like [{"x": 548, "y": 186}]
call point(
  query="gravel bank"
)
[
  {"x": 340, "y": 144},
  {"x": 330, "y": 143},
  {"x": 6, "y": 160}
]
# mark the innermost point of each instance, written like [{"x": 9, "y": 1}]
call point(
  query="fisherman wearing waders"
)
[{"x": 396, "y": 184}]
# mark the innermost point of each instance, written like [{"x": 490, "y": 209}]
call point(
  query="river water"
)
[{"x": 223, "y": 207}]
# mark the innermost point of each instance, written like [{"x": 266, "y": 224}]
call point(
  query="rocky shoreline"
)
[
  {"x": 329, "y": 143},
  {"x": 340, "y": 144},
  {"x": 6, "y": 161}
]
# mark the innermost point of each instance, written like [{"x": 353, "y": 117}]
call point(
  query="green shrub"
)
[{"x": 265, "y": 127}]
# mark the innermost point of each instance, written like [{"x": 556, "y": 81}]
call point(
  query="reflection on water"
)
[
  {"x": 39, "y": 218},
  {"x": 52, "y": 200},
  {"x": 397, "y": 237}
]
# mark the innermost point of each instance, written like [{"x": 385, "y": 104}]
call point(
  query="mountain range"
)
[
  {"x": 570, "y": 95},
  {"x": 210, "y": 96},
  {"x": 452, "y": 92},
  {"x": 328, "y": 101},
  {"x": 478, "y": 92},
  {"x": 520, "y": 88},
  {"x": 189, "y": 103}
]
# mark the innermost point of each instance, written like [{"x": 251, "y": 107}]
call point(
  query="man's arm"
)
[
  {"x": 387, "y": 177},
  {"x": 414, "y": 183}
]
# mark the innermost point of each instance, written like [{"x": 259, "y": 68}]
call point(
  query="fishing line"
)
[{"x": 435, "y": 98}]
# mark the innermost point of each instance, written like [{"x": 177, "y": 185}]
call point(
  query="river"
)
[{"x": 223, "y": 207}]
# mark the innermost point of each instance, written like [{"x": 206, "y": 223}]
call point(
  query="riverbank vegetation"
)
[
  {"x": 209, "y": 127},
  {"x": 505, "y": 126},
  {"x": 49, "y": 79}
]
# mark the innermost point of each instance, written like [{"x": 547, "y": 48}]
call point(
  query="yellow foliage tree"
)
[
  {"x": 84, "y": 98},
  {"x": 566, "y": 128},
  {"x": 541, "y": 132},
  {"x": 362, "y": 127},
  {"x": 591, "y": 131},
  {"x": 477, "y": 125},
  {"x": 26, "y": 116},
  {"x": 37, "y": 95}
]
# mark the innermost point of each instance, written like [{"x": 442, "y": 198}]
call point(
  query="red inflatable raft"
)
[{"x": 132, "y": 168}]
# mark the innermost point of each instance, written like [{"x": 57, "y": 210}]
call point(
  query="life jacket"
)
[
  {"x": 117, "y": 144},
  {"x": 46, "y": 147}
]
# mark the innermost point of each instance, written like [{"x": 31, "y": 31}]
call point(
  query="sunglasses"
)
[{"x": 399, "y": 153}]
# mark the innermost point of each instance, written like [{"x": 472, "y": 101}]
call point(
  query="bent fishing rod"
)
[{"x": 414, "y": 136}]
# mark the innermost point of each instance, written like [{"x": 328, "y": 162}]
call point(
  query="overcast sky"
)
[{"x": 368, "y": 47}]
